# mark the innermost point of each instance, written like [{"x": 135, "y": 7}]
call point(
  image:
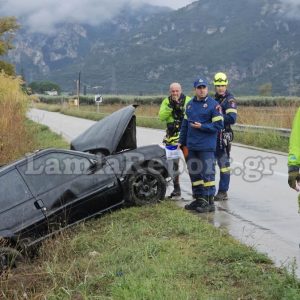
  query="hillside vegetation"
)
[{"x": 138, "y": 51}]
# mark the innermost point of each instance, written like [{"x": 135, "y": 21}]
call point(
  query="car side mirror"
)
[{"x": 95, "y": 165}]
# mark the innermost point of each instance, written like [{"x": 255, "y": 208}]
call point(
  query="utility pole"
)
[
  {"x": 113, "y": 87},
  {"x": 78, "y": 87},
  {"x": 291, "y": 83}
]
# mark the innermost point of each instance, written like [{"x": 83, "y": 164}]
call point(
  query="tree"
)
[
  {"x": 8, "y": 25},
  {"x": 42, "y": 86},
  {"x": 7, "y": 68},
  {"x": 265, "y": 89}
]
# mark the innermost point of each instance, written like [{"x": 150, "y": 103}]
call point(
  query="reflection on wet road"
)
[{"x": 262, "y": 210}]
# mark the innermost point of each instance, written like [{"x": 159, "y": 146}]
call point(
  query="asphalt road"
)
[{"x": 262, "y": 210}]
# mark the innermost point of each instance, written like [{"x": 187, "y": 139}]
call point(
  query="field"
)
[
  {"x": 280, "y": 117},
  {"x": 274, "y": 116},
  {"x": 147, "y": 116}
]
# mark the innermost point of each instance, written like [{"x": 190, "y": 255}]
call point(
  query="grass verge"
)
[
  {"x": 43, "y": 137},
  {"x": 270, "y": 140},
  {"x": 147, "y": 117},
  {"x": 154, "y": 252}
]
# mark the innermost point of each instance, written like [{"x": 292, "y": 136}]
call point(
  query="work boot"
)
[
  {"x": 221, "y": 196},
  {"x": 193, "y": 205},
  {"x": 206, "y": 204},
  {"x": 176, "y": 192}
]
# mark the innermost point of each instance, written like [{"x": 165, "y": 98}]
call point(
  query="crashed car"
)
[{"x": 53, "y": 189}]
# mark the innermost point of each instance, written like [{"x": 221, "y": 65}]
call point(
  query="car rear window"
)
[{"x": 13, "y": 190}]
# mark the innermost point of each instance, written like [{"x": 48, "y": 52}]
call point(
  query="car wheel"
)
[
  {"x": 146, "y": 186},
  {"x": 9, "y": 258}
]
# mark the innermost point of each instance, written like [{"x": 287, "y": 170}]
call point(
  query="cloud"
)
[
  {"x": 44, "y": 16},
  {"x": 291, "y": 8},
  {"x": 171, "y": 3}
]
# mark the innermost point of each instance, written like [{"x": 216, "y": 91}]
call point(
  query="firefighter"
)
[
  {"x": 225, "y": 136},
  {"x": 294, "y": 154},
  {"x": 172, "y": 112},
  {"x": 203, "y": 120}
]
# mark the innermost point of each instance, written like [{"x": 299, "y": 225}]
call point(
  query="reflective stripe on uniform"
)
[
  {"x": 218, "y": 118},
  {"x": 231, "y": 110},
  {"x": 198, "y": 182},
  {"x": 225, "y": 170},
  {"x": 209, "y": 183},
  {"x": 172, "y": 140}
]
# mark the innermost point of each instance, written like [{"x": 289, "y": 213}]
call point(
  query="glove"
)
[{"x": 294, "y": 177}]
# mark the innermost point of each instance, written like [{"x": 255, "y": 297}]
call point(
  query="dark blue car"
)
[{"x": 52, "y": 189}]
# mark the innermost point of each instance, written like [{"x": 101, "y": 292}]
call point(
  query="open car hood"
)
[{"x": 114, "y": 133}]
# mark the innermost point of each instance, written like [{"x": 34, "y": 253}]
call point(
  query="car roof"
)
[{"x": 40, "y": 152}]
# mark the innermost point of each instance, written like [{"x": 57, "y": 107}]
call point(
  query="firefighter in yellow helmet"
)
[
  {"x": 171, "y": 112},
  {"x": 225, "y": 137}
]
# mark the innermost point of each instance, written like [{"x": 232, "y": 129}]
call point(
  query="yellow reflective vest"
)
[{"x": 294, "y": 144}]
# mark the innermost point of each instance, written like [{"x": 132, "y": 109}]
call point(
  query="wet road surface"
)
[{"x": 262, "y": 210}]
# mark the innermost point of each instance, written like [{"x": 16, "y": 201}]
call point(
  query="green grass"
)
[
  {"x": 48, "y": 107},
  {"x": 44, "y": 137},
  {"x": 270, "y": 140},
  {"x": 150, "y": 122},
  {"x": 85, "y": 114},
  {"x": 153, "y": 252}
]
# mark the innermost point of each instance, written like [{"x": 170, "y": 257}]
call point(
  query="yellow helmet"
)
[{"x": 220, "y": 79}]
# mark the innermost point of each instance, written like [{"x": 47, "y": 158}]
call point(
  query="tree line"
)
[{"x": 8, "y": 26}]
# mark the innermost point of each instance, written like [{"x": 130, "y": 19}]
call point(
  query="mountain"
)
[{"x": 142, "y": 51}]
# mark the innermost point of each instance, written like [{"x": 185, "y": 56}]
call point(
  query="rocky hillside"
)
[{"x": 254, "y": 41}]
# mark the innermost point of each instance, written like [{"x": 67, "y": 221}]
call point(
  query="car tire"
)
[
  {"x": 145, "y": 186},
  {"x": 9, "y": 258}
]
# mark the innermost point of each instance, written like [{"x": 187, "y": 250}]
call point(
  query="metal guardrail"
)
[{"x": 284, "y": 132}]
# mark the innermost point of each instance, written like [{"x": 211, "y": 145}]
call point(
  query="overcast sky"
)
[
  {"x": 292, "y": 8},
  {"x": 43, "y": 15},
  {"x": 171, "y": 3}
]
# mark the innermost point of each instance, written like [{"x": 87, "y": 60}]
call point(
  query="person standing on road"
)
[
  {"x": 225, "y": 136},
  {"x": 203, "y": 119},
  {"x": 172, "y": 112},
  {"x": 294, "y": 154}
]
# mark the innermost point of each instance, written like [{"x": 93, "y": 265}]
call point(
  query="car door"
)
[
  {"x": 69, "y": 187},
  {"x": 17, "y": 205}
]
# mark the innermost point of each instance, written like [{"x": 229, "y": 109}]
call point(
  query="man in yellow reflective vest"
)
[
  {"x": 171, "y": 112},
  {"x": 294, "y": 154}
]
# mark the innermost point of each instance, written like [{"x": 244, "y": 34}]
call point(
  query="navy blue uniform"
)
[
  {"x": 229, "y": 110},
  {"x": 201, "y": 143}
]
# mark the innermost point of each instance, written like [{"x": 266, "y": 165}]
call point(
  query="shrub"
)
[{"x": 13, "y": 104}]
